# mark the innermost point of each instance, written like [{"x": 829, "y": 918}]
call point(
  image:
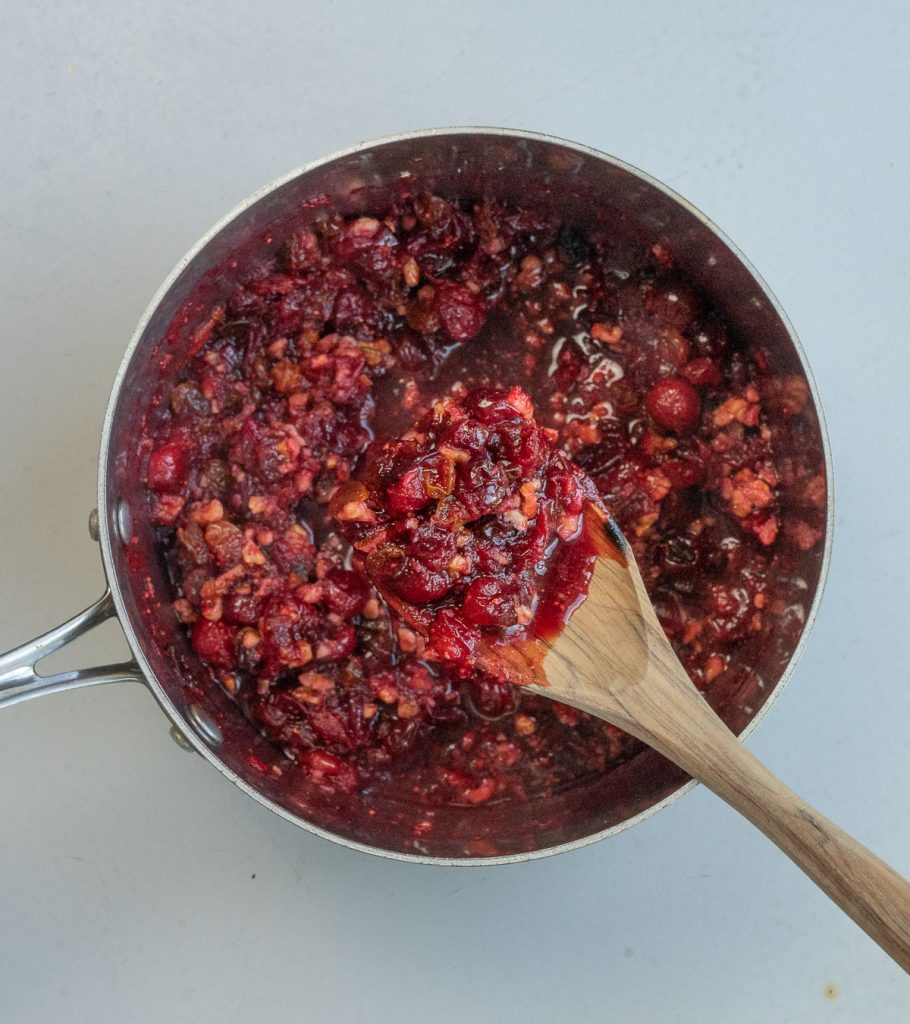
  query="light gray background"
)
[{"x": 136, "y": 885}]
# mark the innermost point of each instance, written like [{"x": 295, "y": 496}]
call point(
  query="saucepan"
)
[{"x": 581, "y": 186}]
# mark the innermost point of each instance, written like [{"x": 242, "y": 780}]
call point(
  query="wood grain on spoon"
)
[{"x": 613, "y": 660}]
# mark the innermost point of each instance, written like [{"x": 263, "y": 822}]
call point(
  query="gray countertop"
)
[{"x": 136, "y": 885}]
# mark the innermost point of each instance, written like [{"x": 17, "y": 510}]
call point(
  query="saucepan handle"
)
[{"x": 20, "y": 681}]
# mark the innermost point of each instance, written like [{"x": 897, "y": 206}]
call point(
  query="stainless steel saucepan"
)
[{"x": 583, "y": 187}]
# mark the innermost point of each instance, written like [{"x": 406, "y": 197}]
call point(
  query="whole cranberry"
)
[
  {"x": 410, "y": 350},
  {"x": 167, "y": 468},
  {"x": 460, "y": 311},
  {"x": 407, "y": 494},
  {"x": 214, "y": 642},
  {"x": 674, "y": 405},
  {"x": 702, "y": 372}
]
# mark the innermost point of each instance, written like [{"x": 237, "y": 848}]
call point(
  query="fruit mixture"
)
[
  {"x": 457, "y": 316},
  {"x": 471, "y": 526}
]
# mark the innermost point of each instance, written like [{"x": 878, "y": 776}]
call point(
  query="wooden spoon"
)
[{"x": 613, "y": 660}]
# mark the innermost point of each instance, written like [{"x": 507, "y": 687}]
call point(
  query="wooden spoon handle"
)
[{"x": 688, "y": 732}]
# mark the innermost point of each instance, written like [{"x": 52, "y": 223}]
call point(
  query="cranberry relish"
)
[
  {"x": 464, "y": 517},
  {"x": 706, "y": 453}
]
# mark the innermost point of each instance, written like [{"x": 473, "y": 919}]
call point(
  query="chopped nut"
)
[
  {"x": 286, "y": 377},
  {"x": 252, "y": 554},
  {"x": 609, "y": 334},
  {"x": 746, "y": 492},
  {"x": 411, "y": 273},
  {"x": 210, "y": 512},
  {"x": 258, "y": 505},
  {"x": 525, "y": 725},
  {"x": 407, "y": 709},
  {"x": 714, "y": 666},
  {"x": 407, "y": 639},
  {"x": 515, "y": 518},
  {"x": 185, "y": 611},
  {"x": 739, "y": 409}
]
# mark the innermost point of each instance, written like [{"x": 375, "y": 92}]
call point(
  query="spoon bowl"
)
[{"x": 613, "y": 660}]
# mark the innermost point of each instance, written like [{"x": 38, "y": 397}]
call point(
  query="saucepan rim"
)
[{"x": 105, "y": 519}]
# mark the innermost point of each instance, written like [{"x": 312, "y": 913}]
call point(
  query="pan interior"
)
[{"x": 584, "y": 189}]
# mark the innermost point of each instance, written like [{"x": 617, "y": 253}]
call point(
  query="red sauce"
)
[
  {"x": 472, "y": 525},
  {"x": 706, "y": 453}
]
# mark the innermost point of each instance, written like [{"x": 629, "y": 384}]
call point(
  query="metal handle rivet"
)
[
  {"x": 205, "y": 725},
  {"x": 123, "y": 521}
]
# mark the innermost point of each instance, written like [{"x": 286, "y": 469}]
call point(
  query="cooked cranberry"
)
[
  {"x": 356, "y": 313},
  {"x": 369, "y": 246},
  {"x": 490, "y": 602},
  {"x": 324, "y": 767},
  {"x": 398, "y": 735},
  {"x": 702, "y": 372},
  {"x": 167, "y": 468},
  {"x": 289, "y": 628},
  {"x": 523, "y": 444},
  {"x": 408, "y": 494},
  {"x": 491, "y": 698},
  {"x": 264, "y": 474},
  {"x": 484, "y": 541},
  {"x": 432, "y": 543},
  {"x": 467, "y": 436},
  {"x": 345, "y": 592},
  {"x": 337, "y": 646},
  {"x": 214, "y": 642},
  {"x": 410, "y": 350},
  {"x": 241, "y": 609},
  {"x": 451, "y": 639},
  {"x": 674, "y": 303},
  {"x": 461, "y": 312},
  {"x": 481, "y": 487},
  {"x": 418, "y": 583},
  {"x": 674, "y": 404},
  {"x": 491, "y": 406},
  {"x": 300, "y": 252},
  {"x": 683, "y": 472}
]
